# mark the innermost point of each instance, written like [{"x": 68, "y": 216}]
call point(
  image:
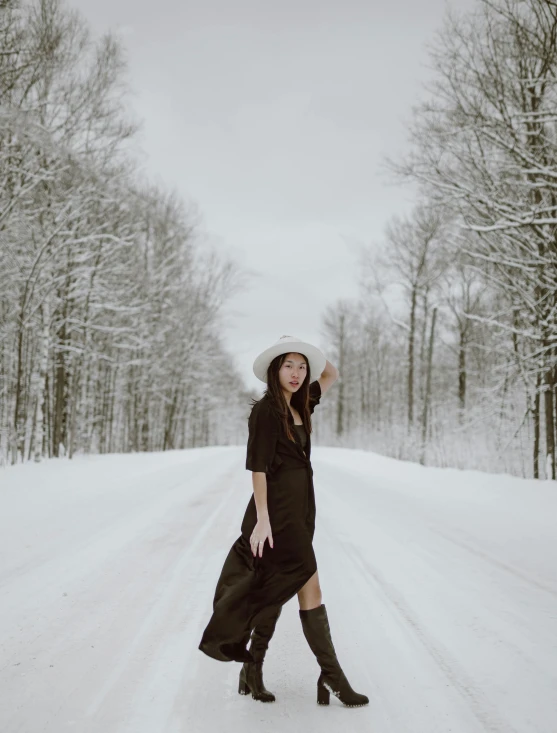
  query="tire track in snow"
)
[
  {"x": 497, "y": 563},
  {"x": 486, "y": 716},
  {"x": 172, "y": 592},
  {"x": 460, "y": 680},
  {"x": 123, "y": 582}
]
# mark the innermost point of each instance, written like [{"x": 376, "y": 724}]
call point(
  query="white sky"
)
[{"x": 273, "y": 118}]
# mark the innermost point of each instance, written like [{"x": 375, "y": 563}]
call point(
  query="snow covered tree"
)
[{"x": 484, "y": 145}]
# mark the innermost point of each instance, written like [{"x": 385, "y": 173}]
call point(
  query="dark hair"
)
[{"x": 300, "y": 399}]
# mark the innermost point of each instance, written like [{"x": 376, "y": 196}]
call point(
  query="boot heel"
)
[
  {"x": 243, "y": 688},
  {"x": 323, "y": 695}
]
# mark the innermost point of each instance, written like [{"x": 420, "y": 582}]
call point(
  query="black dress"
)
[{"x": 249, "y": 588}]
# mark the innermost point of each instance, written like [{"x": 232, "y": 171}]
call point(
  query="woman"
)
[{"x": 256, "y": 581}]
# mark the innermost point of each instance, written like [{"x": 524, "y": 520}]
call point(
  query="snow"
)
[{"x": 440, "y": 587}]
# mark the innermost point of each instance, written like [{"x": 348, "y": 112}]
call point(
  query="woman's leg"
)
[
  {"x": 310, "y": 595},
  {"x": 315, "y": 625},
  {"x": 251, "y": 675}
]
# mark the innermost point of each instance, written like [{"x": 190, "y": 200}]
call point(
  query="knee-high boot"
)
[
  {"x": 332, "y": 679},
  {"x": 251, "y": 674}
]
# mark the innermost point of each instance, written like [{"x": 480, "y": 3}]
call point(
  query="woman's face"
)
[{"x": 292, "y": 372}]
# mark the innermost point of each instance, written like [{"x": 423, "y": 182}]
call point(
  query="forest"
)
[{"x": 112, "y": 303}]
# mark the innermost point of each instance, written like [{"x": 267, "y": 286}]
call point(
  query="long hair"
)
[{"x": 300, "y": 399}]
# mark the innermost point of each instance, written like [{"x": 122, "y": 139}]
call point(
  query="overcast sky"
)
[{"x": 273, "y": 118}]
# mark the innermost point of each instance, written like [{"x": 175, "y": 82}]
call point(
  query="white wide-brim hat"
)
[{"x": 285, "y": 345}]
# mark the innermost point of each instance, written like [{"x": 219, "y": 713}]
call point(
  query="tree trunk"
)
[
  {"x": 340, "y": 393},
  {"x": 423, "y": 345},
  {"x": 536, "y": 418},
  {"x": 549, "y": 426},
  {"x": 411, "y": 338},
  {"x": 427, "y": 397},
  {"x": 59, "y": 397},
  {"x": 41, "y": 387},
  {"x": 461, "y": 375},
  {"x": 17, "y": 439}
]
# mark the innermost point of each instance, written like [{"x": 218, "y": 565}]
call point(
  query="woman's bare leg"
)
[{"x": 310, "y": 595}]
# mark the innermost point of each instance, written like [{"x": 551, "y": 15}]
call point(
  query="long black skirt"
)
[{"x": 249, "y": 588}]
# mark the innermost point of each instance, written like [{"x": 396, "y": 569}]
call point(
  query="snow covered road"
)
[{"x": 440, "y": 586}]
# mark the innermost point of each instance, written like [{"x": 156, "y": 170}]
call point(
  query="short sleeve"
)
[
  {"x": 314, "y": 395},
  {"x": 262, "y": 439}
]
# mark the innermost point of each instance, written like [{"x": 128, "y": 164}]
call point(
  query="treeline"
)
[
  {"x": 448, "y": 354},
  {"x": 110, "y": 300}
]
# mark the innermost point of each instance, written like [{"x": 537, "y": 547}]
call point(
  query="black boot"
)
[
  {"x": 332, "y": 679},
  {"x": 251, "y": 674}
]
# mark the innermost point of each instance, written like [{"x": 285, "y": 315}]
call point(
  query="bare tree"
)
[
  {"x": 110, "y": 301},
  {"x": 485, "y": 146}
]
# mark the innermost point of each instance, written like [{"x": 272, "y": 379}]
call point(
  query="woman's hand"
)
[{"x": 261, "y": 532}]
